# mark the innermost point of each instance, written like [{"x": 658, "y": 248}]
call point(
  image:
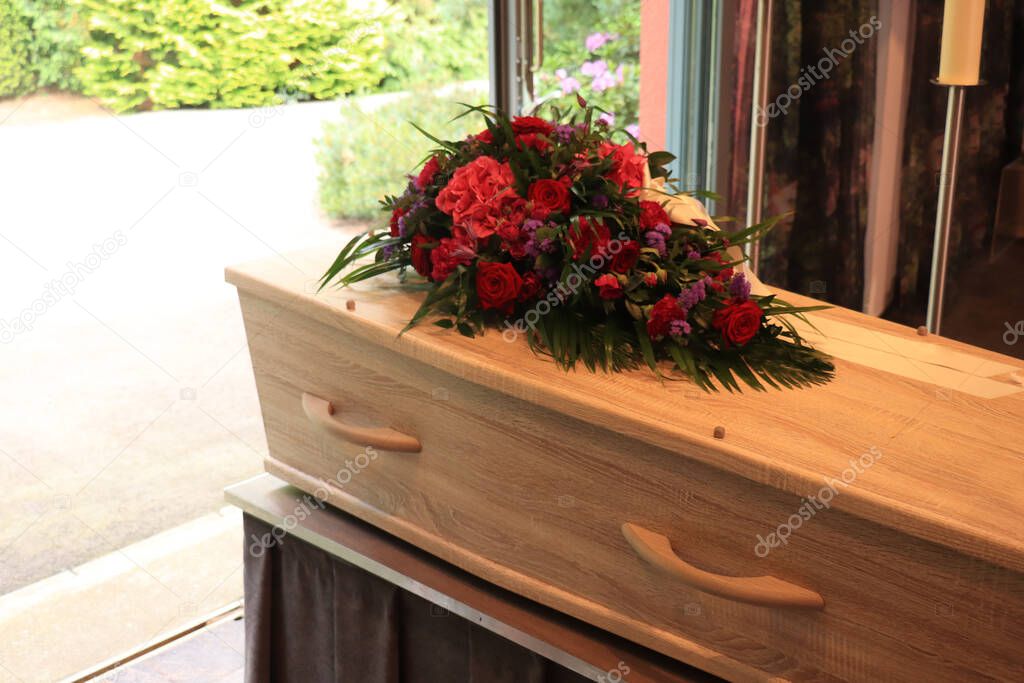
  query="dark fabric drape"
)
[
  {"x": 819, "y": 150},
  {"x": 313, "y": 617},
  {"x": 992, "y": 133}
]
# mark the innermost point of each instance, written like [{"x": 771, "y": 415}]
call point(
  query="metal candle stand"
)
[{"x": 944, "y": 210}]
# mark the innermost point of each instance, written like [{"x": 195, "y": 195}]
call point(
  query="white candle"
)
[{"x": 962, "y": 24}]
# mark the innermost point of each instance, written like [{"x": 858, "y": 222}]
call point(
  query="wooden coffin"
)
[{"x": 868, "y": 530}]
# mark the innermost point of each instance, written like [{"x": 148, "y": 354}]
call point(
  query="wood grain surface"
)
[{"x": 528, "y": 473}]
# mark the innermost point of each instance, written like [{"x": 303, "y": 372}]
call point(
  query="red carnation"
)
[
  {"x": 652, "y": 214},
  {"x": 395, "y": 215},
  {"x": 720, "y": 278},
  {"x": 497, "y": 286},
  {"x": 661, "y": 316},
  {"x": 627, "y": 169},
  {"x": 623, "y": 261},
  {"x": 589, "y": 238},
  {"x": 531, "y": 124},
  {"x": 608, "y": 287},
  {"x": 738, "y": 321},
  {"x": 421, "y": 256},
  {"x": 548, "y": 196},
  {"x": 427, "y": 173},
  {"x": 448, "y": 255}
]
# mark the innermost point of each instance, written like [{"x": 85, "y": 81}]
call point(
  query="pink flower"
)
[
  {"x": 596, "y": 40},
  {"x": 567, "y": 82},
  {"x": 595, "y": 68}
]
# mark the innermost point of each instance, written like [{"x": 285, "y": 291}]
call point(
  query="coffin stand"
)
[{"x": 609, "y": 498}]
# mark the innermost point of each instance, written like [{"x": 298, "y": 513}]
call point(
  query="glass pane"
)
[{"x": 591, "y": 48}]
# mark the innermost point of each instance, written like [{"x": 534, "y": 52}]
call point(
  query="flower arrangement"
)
[{"x": 555, "y": 234}]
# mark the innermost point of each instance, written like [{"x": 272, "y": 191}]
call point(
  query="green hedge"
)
[
  {"x": 162, "y": 54},
  {"x": 15, "y": 37},
  {"x": 366, "y": 153},
  {"x": 54, "y": 48}
]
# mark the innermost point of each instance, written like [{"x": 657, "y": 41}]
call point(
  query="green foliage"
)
[
  {"x": 161, "y": 54},
  {"x": 369, "y": 148},
  {"x": 15, "y": 36},
  {"x": 436, "y": 42},
  {"x": 57, "y": 34}
]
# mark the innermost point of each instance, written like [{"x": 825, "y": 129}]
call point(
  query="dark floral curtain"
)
[
  {"x": 819, "y": 142},
  {"x": 819, "y": 152},
  {"x": 993, "y": 123}
]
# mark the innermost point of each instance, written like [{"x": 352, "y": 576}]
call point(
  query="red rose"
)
[
  {"x": 485, "y": 137},
  {"x": 448, "y": 255},
  {"x": 661, "y": 316},
  {"x": 497, "y": 286},
  {"x": 589, "y": 239},
  {"x": 623, "y": 261},
  {"x": 427, "y": 173},
  {"x": 737, "y": 321},
  {"x": 421, "y": 256},
  {"x": 395, "y": 215},
  {"x": 478, "y": 195},
  {"x": 530, "y": 288},
  {"x": 652, "y": 214},
  {"x": 548, "y": 197},
  {"x": 608, "y": 287},
  {"x": 651, "y": 279},
  {"x": 627, "y": 170},
  {"x": 531, "y": 124}
]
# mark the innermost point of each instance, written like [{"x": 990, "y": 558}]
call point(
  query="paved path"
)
[{"x": 127, "y": 394}]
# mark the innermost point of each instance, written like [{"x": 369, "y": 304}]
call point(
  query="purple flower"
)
[
  {"x": 739, "y": 288},
  {"x": 607, "y": 119},
  {"x": 656, "y": 240},
  {"x": 599, "y": 201},
  {"x": 693, "y": 295},
  {"x": 693, "y": 255},
  {"x": 633, "y": 129},
  {"x": 564, "y": 131},
  {"x": 596, "y": 40},
  {"x": 595, "y": 68},
  {"x": 678, "y": 328},
  {"x": 618, "y": 75}
]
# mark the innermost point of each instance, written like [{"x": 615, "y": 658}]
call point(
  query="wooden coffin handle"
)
[
  {"x": 321, "y": 413},
  {"x": 754, "y": 590}
]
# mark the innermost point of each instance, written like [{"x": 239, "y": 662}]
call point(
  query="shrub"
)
[
  {"x": 163, "y": 54},
  {"x": 15, "y": 36},
  {"x": 57, "y": 34},
  {"x": 438, "y": 42},
  {"x": 364, "y": 155}
]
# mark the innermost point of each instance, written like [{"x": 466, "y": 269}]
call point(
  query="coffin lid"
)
[{"x": 951, "y": 469}]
